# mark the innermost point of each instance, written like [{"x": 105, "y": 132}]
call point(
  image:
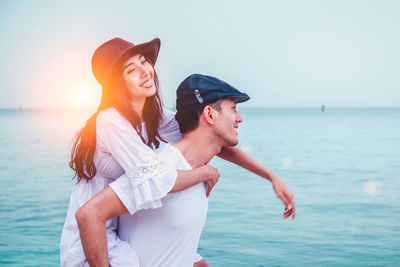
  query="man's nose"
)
[{"x": 239, "y": 118}]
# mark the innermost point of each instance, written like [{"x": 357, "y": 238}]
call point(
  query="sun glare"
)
[{"x": 84, "y": 97}]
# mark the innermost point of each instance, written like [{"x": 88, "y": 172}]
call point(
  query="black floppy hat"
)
[
  {"x": 106, "y": 56},
  {"x": 200, "y": 89}
]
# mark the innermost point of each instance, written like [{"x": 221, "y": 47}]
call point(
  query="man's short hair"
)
[{"x": 188, "y": 120}]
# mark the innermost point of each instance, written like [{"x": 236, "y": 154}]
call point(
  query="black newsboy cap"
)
[{"x": 198, "y": 89}]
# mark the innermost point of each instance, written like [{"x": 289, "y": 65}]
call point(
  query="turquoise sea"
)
[{"x": 342, "y": 165}]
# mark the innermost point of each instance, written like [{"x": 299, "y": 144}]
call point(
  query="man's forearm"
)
[
  {"x": 91, "y": 218},
  {"x": 240, "y": 158},
  {"x": 237, "y": 156}
]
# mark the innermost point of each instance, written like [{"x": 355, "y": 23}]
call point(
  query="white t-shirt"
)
[
  {"x": 169, "y": 235},
  {"x": 120, "y": 154}
]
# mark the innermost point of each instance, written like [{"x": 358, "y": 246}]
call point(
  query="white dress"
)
[
  {"x": 169, "y": 235},
  {"x": 120, "y": 153}
]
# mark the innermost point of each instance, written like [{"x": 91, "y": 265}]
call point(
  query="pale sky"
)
[{"x": 282, "y": 53}]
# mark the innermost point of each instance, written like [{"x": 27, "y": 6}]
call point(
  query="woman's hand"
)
[
  {"x": 211, "y": 176},
  {"x": 188, "y": 178}
]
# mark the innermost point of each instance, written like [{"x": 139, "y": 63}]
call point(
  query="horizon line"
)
[{"x": 173, "y": 108}]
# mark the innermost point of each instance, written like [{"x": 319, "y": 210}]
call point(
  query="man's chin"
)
[{"x": 231, "y": 143}]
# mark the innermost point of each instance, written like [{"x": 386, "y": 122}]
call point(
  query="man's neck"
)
[{"x": 198, "y": 148}]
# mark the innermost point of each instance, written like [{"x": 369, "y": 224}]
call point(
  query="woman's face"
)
[{"x": 138, "y": 76}]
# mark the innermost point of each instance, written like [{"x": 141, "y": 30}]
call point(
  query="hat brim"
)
[
  {"x": 149, "y": 50},
  {"x": 241, "y": 98}
]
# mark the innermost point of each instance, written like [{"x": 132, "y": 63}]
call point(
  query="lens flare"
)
[
  {"x": 287, "y": 161},
  {"x": 372, "y": 188},
  {"x": 83, "y": 97},
  {"x": 246, "y": 148}
]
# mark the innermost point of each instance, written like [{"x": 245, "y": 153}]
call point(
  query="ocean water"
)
[{"x": 342, "y": 165}]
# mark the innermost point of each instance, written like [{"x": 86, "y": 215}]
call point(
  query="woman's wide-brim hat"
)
[{"x": 108, "y": 56}]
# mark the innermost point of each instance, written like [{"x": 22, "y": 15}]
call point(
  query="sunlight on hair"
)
[
  {"x": 246, "y": 148},
  {"x": 372, "y": 188},
  {"x": 287, "y": 161}
]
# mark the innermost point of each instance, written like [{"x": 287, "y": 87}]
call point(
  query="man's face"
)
[{"x": 226, "y": 122}]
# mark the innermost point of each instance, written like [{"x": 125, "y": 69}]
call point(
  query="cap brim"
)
[{"x": 241, "y": 98}]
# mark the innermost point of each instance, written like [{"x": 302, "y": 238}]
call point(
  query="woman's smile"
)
[
  {"x": 148, "y": 83},
  {"x": 138, "y": 75}
]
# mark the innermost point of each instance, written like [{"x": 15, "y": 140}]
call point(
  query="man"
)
[{"x": 169, "y": 235}]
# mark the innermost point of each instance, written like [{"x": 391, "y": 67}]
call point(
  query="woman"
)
[{"x": 118, "y": 141}]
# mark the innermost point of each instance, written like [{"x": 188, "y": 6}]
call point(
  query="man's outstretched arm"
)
[{"x": 240, "y": 158}]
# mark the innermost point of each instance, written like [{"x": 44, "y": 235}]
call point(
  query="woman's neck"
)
[{"x": 138, "y": 106}]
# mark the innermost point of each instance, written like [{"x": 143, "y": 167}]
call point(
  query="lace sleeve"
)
[{"x": 147, "y": 178}]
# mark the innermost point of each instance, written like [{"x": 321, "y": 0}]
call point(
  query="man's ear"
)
[{"x": 208, "y": 115}]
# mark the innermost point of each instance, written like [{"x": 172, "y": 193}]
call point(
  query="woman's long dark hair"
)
[{"x": 117, "y": 96}]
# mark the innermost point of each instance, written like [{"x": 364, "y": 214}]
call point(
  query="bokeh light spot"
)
[
  {"x": 287, "y": 161},
  {"x": 246, "y": 148},
  {"x": 372, "y": 188}
]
